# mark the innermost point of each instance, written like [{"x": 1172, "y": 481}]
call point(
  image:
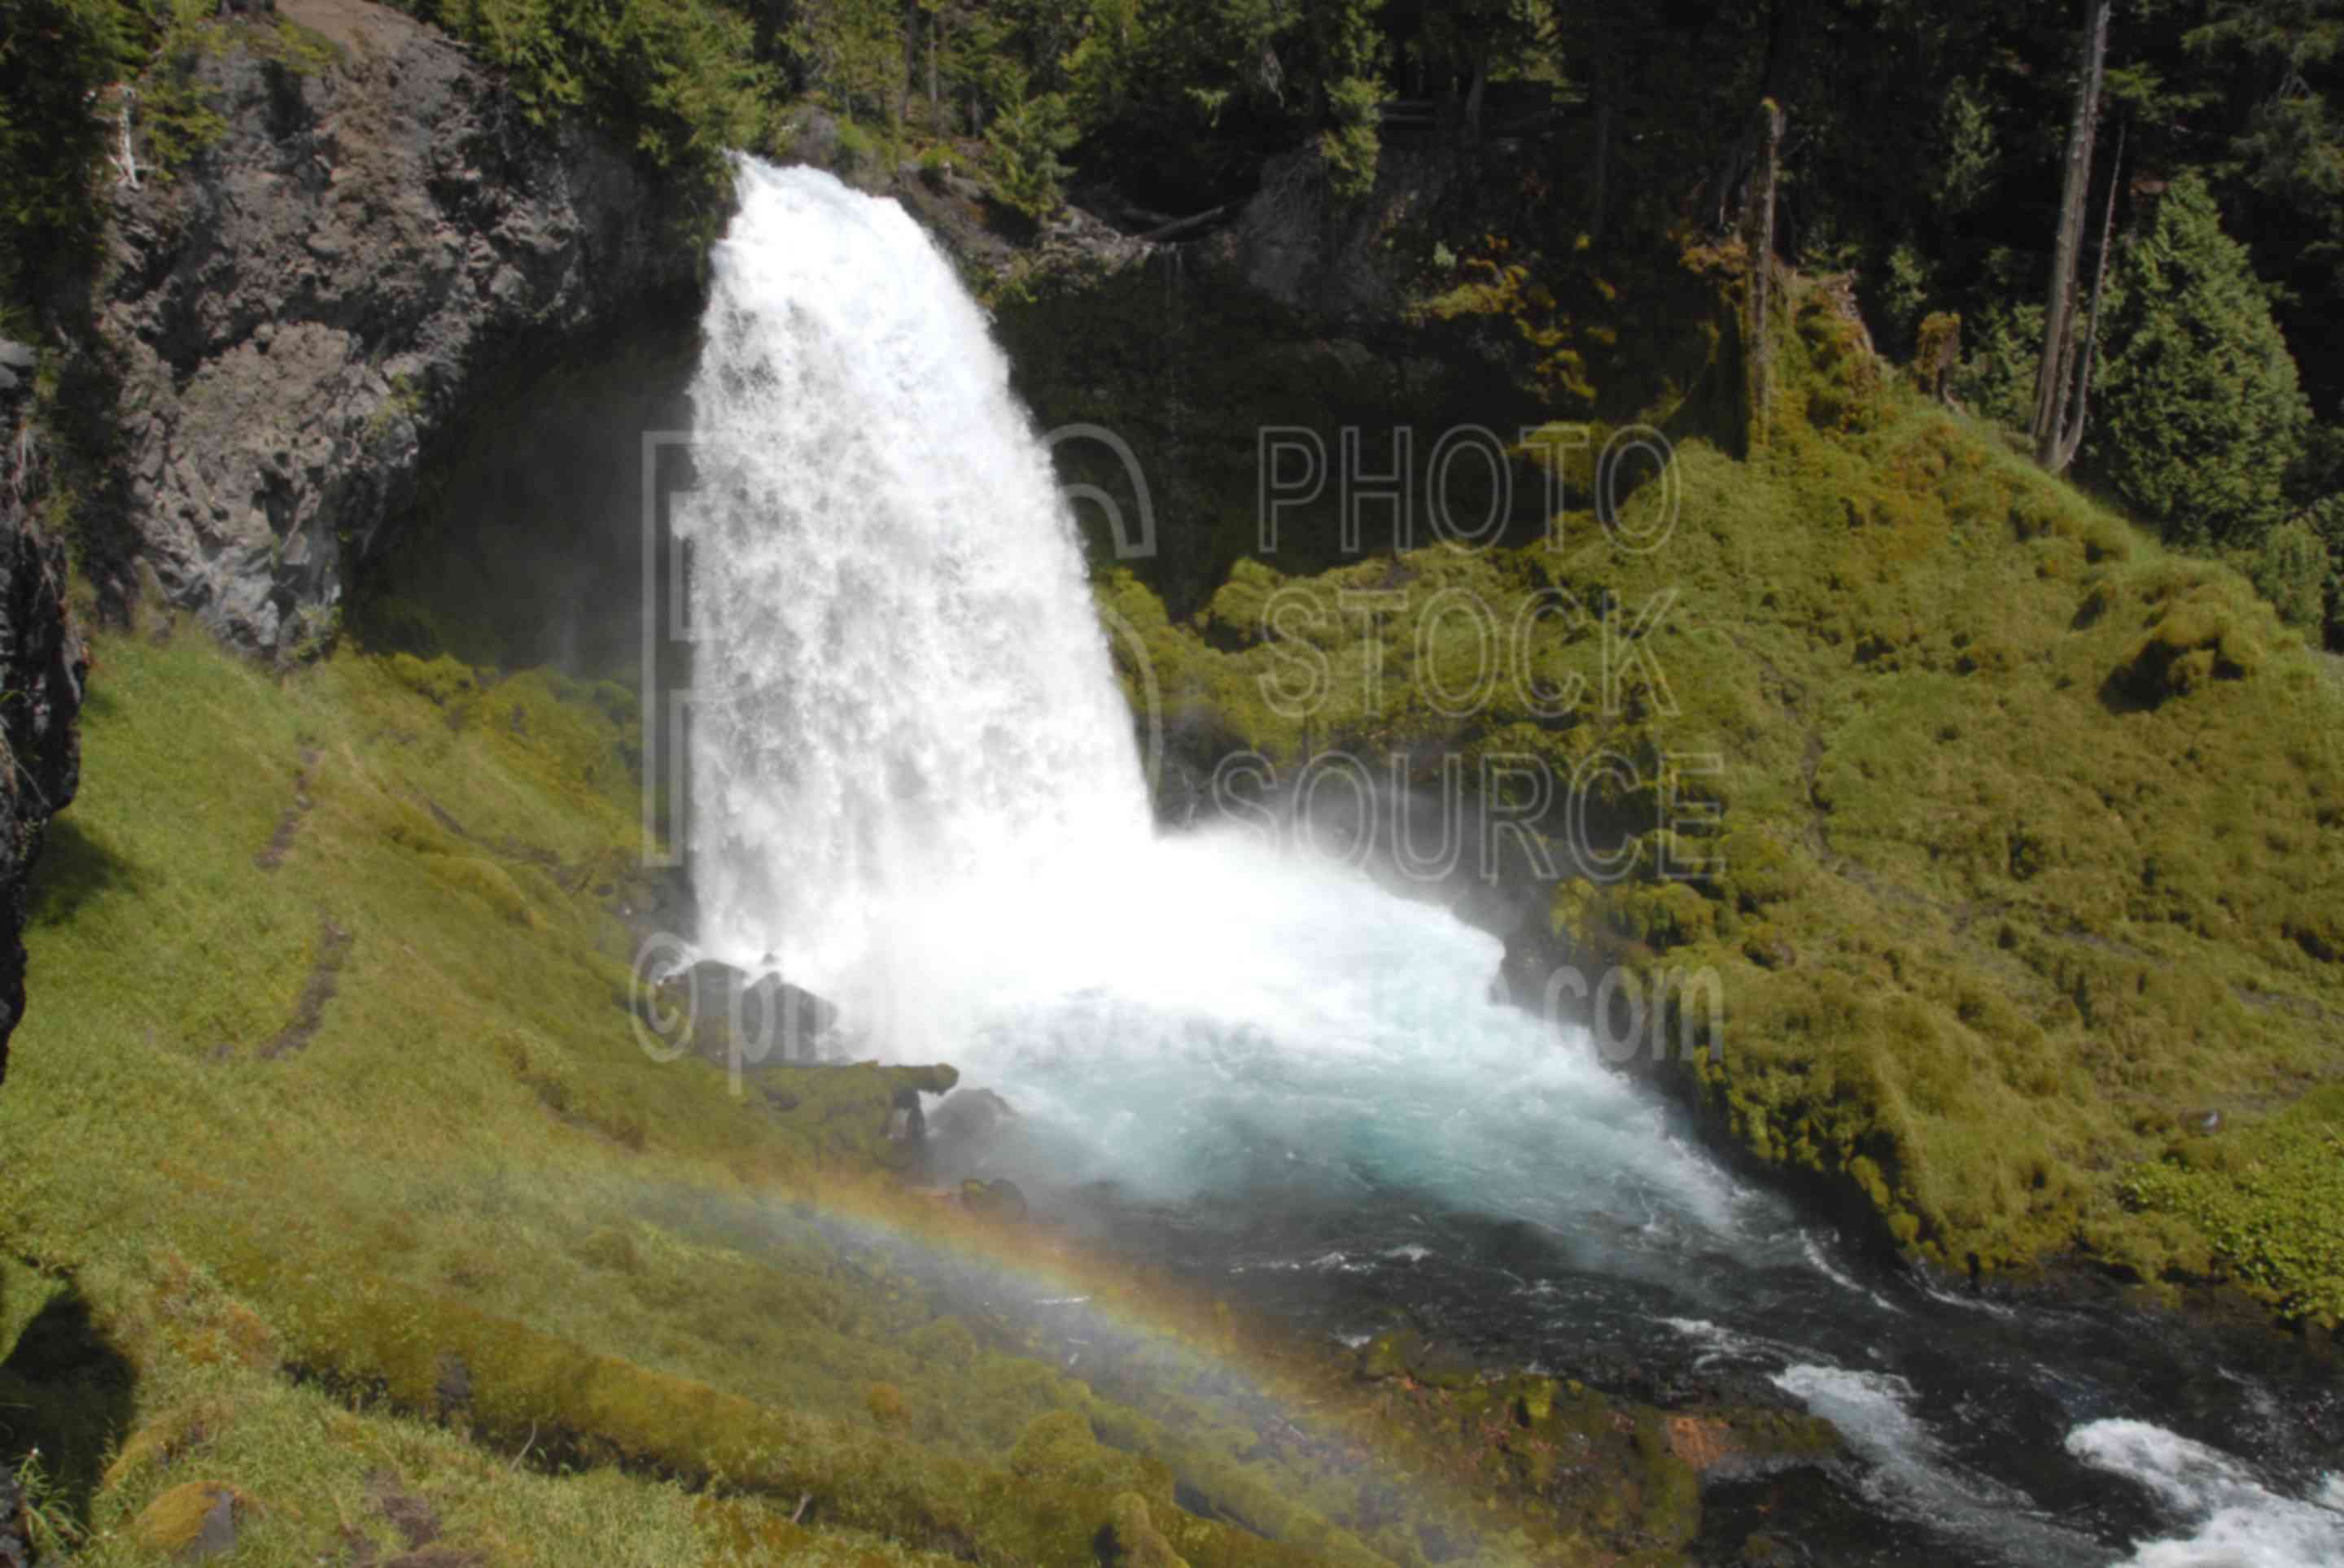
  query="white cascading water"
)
[
  {"x": 2235, "y": 1520},
  {"x": 915, "y": 789},
  {"x": 901, "y": 686}
]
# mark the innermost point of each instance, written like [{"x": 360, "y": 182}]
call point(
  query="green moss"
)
[
  {"x": 1140, "y": 1544},
  {"x": 1058, "y": 1449}
]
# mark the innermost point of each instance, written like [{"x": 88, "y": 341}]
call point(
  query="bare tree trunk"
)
[
  {"x": 2078, "y": 399},
  {"x": 1758, "y": 232},
  {"x": 2058, "y": 317},
  {"x": 935, "y": 78},
  {"x": 1786, "y": 45},
  {"x": 910, "y": 73}
]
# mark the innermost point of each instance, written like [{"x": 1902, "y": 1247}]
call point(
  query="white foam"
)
[{"x": 2230, "y": 1519}]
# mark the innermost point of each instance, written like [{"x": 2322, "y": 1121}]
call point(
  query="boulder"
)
[
  {"x": 1140, "y": 1544},
  {"x": 967, "y": 1124},
  {"x": 993, "y": 1200},
  {"x": 726, "y": 1015}
]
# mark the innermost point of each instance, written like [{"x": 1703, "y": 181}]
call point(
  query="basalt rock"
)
[
  {"x": 965, "y": 1125},
  {"x": 42, "y": 667},
  {"x": 317, "y": 294}
]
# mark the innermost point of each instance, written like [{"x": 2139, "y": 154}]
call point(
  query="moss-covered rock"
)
[
  {"x": 191, "y": 1522},
  {"x": 1137, "y": 1540}
]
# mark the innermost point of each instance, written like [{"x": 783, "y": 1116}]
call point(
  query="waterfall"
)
[
  {"x": 915, "y": 785},
  {"x": 900, "y": 684}
]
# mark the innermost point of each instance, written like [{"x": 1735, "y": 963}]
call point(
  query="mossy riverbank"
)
[{"x": 2004, "y": 840}]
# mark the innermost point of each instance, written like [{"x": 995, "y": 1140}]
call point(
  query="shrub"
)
[
  {"x": 1026, "y": 143},
  {"x": 2291, "y": 568}
]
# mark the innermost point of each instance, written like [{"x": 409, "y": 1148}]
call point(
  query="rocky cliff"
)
[
  {"x": 42, "y": 665},
  {"x": 310, "y": 302}
]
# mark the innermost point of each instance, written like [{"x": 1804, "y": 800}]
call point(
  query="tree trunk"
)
[
  {"x": 1785, "y": 40},
  {"x": 910, "y": 73},
  {"x": 2051, "y": 375},
  {"x": 2079, "y": 398},
  {"x": 936, "y": 75},
  {"x": 1758, "y": 232}
]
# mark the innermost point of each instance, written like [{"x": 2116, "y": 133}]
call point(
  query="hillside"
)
[{"x": 2008, "y": 836}]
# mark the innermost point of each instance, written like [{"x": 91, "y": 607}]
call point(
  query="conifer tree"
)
[{"x": 2201, "y": 412}]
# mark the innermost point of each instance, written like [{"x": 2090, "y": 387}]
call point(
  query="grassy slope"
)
[
  {"x": 2030, "y": 830},
  {"x": 472, "y": 1126},
  {"x": 465, "y": 1246}
]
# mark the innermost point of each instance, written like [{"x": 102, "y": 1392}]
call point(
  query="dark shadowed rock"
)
[
  {"x": 43, "y": 665},
  {"x": 907, "y": 1134},
  {"x": 967, "y": 1123},
  {"x": 720, "y": 1009},
  {"x": 15, "y": 1526},
  {"x": 1000, "y": 1199},
  {"x": 454, "y": 1385}
]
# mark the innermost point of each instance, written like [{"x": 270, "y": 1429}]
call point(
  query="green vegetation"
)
[
  {"x": 52, "y": 53},
  {"x": 2025, "y": 826},
  {"x": 681, "y": 81},
  {"x": 2266, "y": 1200}
]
